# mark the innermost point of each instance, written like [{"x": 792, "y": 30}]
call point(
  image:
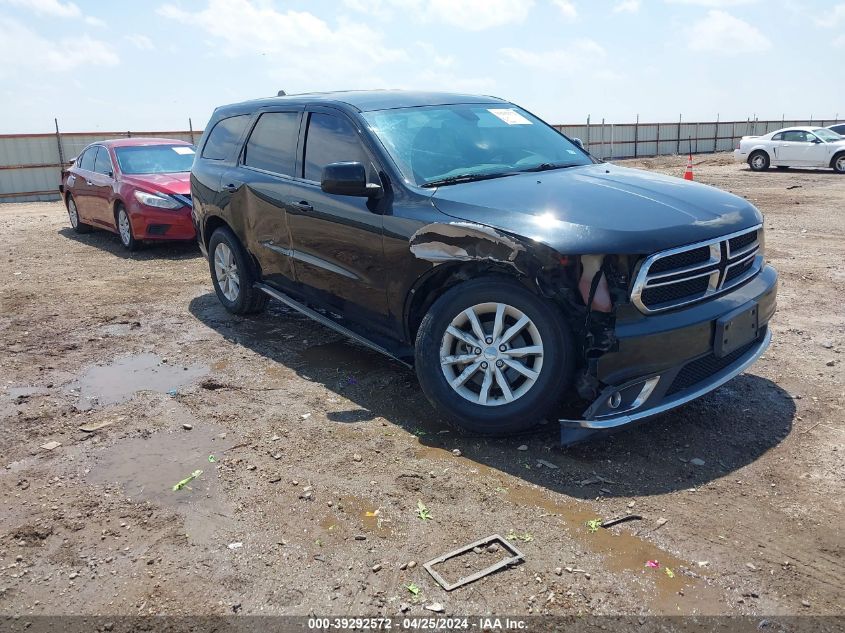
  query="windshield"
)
[
  {"x": 452, "y": 143},
  {"x": 155, "y": 159},
  {"x": 826, "y": 135}
]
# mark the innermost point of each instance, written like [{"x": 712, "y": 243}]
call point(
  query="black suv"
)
[{"x": 468, "y": 238}]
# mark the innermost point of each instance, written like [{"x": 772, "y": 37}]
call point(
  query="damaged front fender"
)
[{"x": 464, "y": 241}]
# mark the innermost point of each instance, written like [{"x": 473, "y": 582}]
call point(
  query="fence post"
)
[
  {"x": 602, "y": 138},
  {"x": 588, "y": 133},
  {"x": 716, "y": 135},
  {"x": 697, "y": 134},
  {"x": 657, "y": 140},
  {"x": 611, "y": 141},
  {"x": 636, "y": 135},
  {"x": 678, "y": 150},
  {"x": 191, "y": 129},
  {"x": 59, "y": 145}
]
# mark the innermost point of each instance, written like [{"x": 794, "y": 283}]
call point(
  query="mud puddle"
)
[
  {"x": 671, "y": 592},
  {"x": 147, "y": 468},
  {"x": 122, "y": 379},
  {"x": 366, "y": 517}
]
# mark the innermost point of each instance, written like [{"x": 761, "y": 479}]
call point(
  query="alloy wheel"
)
[
  {"x": 72, "y": 213},
  {"x": 758, "y": 162},
  {"x": 226, "y": 271},
  {"x": 840, "y": 164},
  {"x": 124, "y": 228},
  {"x": 491, "y": 354}
]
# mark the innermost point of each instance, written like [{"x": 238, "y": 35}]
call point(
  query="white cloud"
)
[
  {"x": 582, "y": 53},
  {"x": 141, "y": 42},
  {"x": 839, "y": 42},
  {"x": 722, "y": 33},
  {"x": 567, "y": 8},
  {"x": 94, "y": 21},
  {"x": 627, "y": 6},
  {"x": 477, "y": 15},
  {"x": 833, "y": 18},
  {"x": 304, "y": 49},
  {"x": 713, "y": 3},
  {"x": 470, "y": 15},
  {"x": 53, "y": 8},
  {"x": 26, "y": 50}
]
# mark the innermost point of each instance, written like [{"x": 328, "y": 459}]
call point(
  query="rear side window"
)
[
  {"x": 102, "y": 165},
  {"x": 224, "y": 136},
  {"x": 331, "y": 139},
  {"x": 272, "y": 144},
  {"x": 87, "y": 160}
]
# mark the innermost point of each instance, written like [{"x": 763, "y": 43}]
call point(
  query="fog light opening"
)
[{"x": 614, "y": 400}]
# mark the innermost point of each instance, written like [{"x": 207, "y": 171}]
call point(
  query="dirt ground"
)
[{"x": 317, "y": 453}]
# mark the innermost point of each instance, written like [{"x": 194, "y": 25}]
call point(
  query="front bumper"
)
[
  {"x": 664, "y": 361},
  {"x": 149, "y": 223}
]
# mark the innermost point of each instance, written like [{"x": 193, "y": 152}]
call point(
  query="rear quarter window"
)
[{"x": 224, "y": 136}]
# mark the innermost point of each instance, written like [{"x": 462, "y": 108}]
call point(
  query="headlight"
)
[{"x": 160, "y": 201}]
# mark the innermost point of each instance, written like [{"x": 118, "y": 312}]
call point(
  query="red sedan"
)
[{"x": 138, "y": 188}]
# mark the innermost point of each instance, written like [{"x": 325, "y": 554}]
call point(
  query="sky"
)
[{"x": 151, "y": 65}]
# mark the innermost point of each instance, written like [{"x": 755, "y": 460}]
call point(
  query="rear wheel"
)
[
  {"x": 124, "y": 229},
  {"x": 73, "y": 214},
  {"x": 759, "y": 161},
  {"x": 492, "y": 357},
  {"x": 232, "y": 274},
  {"x": 839, "y": 163}
]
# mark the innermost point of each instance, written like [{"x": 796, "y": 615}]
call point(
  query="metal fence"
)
[
  {"x": 30, "y": 164},
  {"x": 634, "y": 140}
]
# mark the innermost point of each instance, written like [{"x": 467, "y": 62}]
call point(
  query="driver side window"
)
[{"x": 333, "y": 139}]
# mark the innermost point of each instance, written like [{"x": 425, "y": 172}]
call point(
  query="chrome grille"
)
[{"x": 683, "y": 275}]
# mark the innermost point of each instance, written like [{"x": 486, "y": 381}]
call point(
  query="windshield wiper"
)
[
  {"x": 459, "y": 178},
  {"x": 549, "y": 166}
]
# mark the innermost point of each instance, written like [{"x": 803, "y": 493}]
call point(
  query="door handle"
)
[
  {"x": 88, "y": 182},
  {"x": 231, "y": 187},
  {"x": 303, "y": 205}
]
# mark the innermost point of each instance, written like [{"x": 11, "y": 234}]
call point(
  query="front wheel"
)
[
  {"x": 492, "y": 357},
  {"x": 759, "y": 161},
  {"x": 839, "y": 163},
  {"x": 124, "y": 229}
]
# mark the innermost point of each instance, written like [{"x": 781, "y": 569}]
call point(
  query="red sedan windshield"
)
[{"x": 155, "y": 159}]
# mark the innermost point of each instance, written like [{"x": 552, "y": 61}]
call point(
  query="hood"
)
[
  {"x": 599, "y": 209},
  {"x": 178, "y": 183}
]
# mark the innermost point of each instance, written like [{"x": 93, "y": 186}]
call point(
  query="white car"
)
[{"x": 793, "y": 147}]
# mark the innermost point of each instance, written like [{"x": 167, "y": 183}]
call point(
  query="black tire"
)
[
  {"x": 838, "y": 163},
  {"x": 73, "y": 216},
  {"x": 526, "y": 410},
  {"x": 759, "y": 161},
  {"x": 247, "y": 299},
  {"x": 124, "y": 231}
]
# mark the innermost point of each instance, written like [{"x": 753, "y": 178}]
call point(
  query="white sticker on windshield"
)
[
  {"x": 183, "y": 150},
  {"x": 509, "y": 116}
]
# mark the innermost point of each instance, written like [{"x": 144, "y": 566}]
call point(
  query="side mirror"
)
[
  {"x": 348, "y": 179},
  {"x": 578, "y": 142}
]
